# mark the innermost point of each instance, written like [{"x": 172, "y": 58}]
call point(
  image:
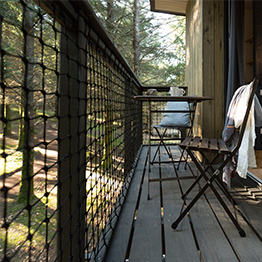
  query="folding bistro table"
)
[{"x": 193, "y": 100}]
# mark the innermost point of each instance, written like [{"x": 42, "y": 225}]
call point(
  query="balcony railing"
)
[{"x": 70, "y": 131}]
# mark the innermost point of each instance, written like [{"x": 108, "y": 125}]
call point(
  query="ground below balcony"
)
[{"x": 207, "y": 234}]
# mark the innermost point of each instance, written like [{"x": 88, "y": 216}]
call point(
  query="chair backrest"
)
[{"x": 243, "y": 126}]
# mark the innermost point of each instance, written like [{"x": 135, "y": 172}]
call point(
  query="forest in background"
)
[{"x": 152, "y": 43}]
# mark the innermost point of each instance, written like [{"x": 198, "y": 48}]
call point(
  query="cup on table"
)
[{"x": 176, "y": 91}]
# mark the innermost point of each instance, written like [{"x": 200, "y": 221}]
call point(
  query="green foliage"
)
[
  {"x": 27, "y": 34},
  {"x": 13, "y": 46},
  {"x": 162, "y": 40}
]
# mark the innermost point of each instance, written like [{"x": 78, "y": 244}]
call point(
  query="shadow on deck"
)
[{"x": 144, "y": 230}]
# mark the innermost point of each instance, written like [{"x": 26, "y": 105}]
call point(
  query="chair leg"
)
[
  {"x": 182, "y": 135},
  {"x": 191, "y": 204},
  {"x": 195, "y": 199},
  {"x": 191, "y": 187},
  {"x": 148, "y": 171},
  {"x": 158, "y": 146},
  {"x": 233, "y": 219},
  {"x": 161, "y": 142},
  {"x": 218, "y": 181},
  {"x": 223, "y": 188},
  {"x": 201, "y": 192},
  {"x": 199, "y": 177},
  {"x": 181, "y": 158},
  {"x": 168, "y": 152}
]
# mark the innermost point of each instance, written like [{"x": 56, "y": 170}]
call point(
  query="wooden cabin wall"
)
[
  {"x": 205, "y": 63},
  {"x": 194, "y": 69}
]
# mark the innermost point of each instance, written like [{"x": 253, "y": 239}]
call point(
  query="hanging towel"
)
[{"x": 246, "y": 155}]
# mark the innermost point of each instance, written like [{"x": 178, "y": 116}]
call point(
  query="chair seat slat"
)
[
  {"x": 222, "y": 145},
  {"x": 213, "y": 144},
  {"x": 204, "y": 143},
  {"x": 195, "y": 142},
  {"x": 186, "y": 142}
]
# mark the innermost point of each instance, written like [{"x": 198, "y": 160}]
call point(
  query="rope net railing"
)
[{"x": 70, "y": 132}]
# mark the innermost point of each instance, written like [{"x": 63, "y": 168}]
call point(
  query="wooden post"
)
[
  {"x": 72, "y": 144},
  {"x": 213, "y": 68}
]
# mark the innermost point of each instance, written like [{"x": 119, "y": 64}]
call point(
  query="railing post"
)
[{"x": 72, "y": 145}]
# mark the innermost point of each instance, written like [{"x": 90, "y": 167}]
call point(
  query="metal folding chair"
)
[
  {"x": 205, "y": 146},
  {"x": 184, "y": 129}
]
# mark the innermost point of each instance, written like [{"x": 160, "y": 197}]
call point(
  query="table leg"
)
[{"x": 149, "y": 148}]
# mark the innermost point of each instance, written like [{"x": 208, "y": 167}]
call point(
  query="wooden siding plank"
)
[
  {"x": 147, "y": 239},
  {"x": 219, "y": 68},
  {"x": 170, "y": 6},
  {"x": 209, "y": 40},
  {"x": 120, "y": 241}
]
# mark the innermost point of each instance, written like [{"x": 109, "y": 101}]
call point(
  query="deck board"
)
[
  {"x": 216, "y": 238},
  {"x": 177, "y": 250},
  {"x": 207, "y": 229},
  {"x": 147, "y": 240},
  {"x": 120, "y": 241},
  {"x": 246, "y": 248},
  {"x": 209, "y": 234}
]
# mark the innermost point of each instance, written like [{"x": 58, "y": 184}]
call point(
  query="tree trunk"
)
[
  {"x": 8, "y": 126},
  {"x": 136, "y": 37},
  {"x": 27, "y": 183},
  {"x": 110, "y": 16},
  {"x": 21, "y": 126},
  {"x": 108, "y": 139},
  {"x": 108, "y": 115}
]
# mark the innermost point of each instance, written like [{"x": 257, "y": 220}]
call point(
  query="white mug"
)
[{"x": 176, "y": 91}]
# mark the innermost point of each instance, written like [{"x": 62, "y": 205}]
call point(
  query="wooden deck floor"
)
[{"x": 144, "y": 230}]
